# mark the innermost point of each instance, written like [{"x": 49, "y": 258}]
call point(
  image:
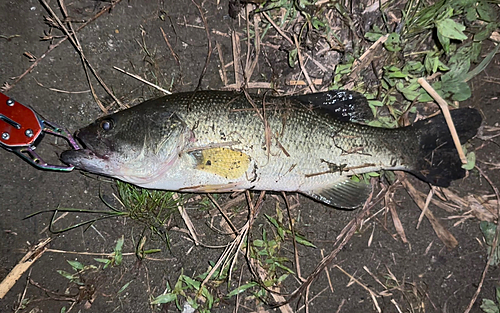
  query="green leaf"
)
[
  {"x": 394, "y": 72},
  {"x": 192, "y": 303},
  {"x": 316, "y": 23},
  {"x": 281, "y": 233},
  {"x": 282, "y": 278},
  {"x": 166, "y": 298},
  {"x": 301, "y": 240},
  {"x": 489, "y": 231},
  {"x": 372, "y": 36},
  {"x": 122, "y": 289},
  {"x": 240, "y": 289},
  {"x": 208, "y": 296},
  {"x": 486, "y": 12},
  {"x": 413, "y": 66},
  {"x": 343, "y": 68},
  {"x": 410, "y": 92},
  {"x": 292, "y": 57},
  {"x": 488, "y": 306},
  {"x": 119, "y": 244},
  {"x": 63, "y": 309},
  {"x": 445, "y": 42},
  {"x": 258, "y": 243},
  {"x": 191, "y": 282},
  {"x": 498, "y": 294},
  {"x": 283, "y": 267},
  {"x": 373, "y": 123},
  {"x": 66, "y": 274},
  {"x": 471, "y": 14},
  {"x": 425, "y": 97},
  {"x": 431, "y": 63},
  {"x": 393, "y": 42},
  {"x": 462, "y": 92},
  {"x": 118, "y": 251},
  {"x": 451, "y": 29},
  {"x": 471, "y": 161},
  {"x": 375, "y": 103},
  {"x": 484, "y": 63},
  {"x": 151, "y": 251},
  {"x": 486, "y": 32},
  {"x": 77, "y": 266},
  {"x": 102, "y": 260}
]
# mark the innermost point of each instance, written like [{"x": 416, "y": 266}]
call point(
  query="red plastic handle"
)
[{"x": 19, "y": 125}]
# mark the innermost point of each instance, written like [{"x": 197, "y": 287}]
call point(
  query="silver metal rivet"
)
[
  {"x": 5, "y": 136},
  {"x": 10, "y": 102},
  {"x": 29, "y": 133}
]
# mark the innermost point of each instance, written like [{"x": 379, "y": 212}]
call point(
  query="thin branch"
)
[
  {"x": 446, "y": 112},
  {"x": 209, "y": 41}
]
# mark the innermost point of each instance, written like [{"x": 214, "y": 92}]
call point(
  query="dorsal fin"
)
[{"x": 344, "y": 105}]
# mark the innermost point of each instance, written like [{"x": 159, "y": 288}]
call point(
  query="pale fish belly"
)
[{"x": 225, "y": 169}]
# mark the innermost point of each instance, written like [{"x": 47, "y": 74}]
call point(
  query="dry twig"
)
[
  {"x": 494, "y": 243},
  {"x": 209, "y": 42},
  {"x": 302, "y": 65},
  {"x": 22, "y": 266},
  {"x": 446, "y": 112},
  {"x": 139, "y": 78},
  {"x": 446, "y": 237}
]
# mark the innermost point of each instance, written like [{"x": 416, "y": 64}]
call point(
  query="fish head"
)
[{"x": 136, "y": 145}]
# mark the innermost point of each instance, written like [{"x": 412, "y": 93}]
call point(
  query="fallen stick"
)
[
  {"x": 444, "y": 235},
  {"x": 446, "y": 112},
  {"x": 29, "y": 258},
  {"x": 139, "y": 78}
]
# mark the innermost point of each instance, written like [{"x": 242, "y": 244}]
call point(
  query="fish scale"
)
[{"x": 325, "y": 138}]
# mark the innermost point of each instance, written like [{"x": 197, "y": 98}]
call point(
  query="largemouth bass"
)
[{"x": 214, "y": 141}]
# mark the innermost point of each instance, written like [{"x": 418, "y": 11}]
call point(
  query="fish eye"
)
[{"x": 107, "y": 124}]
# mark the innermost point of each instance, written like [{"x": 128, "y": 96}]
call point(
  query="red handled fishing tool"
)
[{"x": 21, "y": 129}]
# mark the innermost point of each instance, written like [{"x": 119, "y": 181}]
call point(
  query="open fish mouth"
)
[{"x": 85, "y": 158}]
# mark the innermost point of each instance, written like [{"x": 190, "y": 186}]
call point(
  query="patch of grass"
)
[
  {"x": 440, "y": 41},
  {"x": 152, "y": 208},
  {"x": 413, "y": 293},
  {"x": 265, "y": 255},
  {"x": 188, "y": 292},
  {"x": 79, "y": 269},
  {"x": 117, "y": 256}
]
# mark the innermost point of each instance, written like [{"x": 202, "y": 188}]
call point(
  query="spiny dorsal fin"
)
[
  {"x": 344, "y": 105},
  {"x": 347, "y": 194}
]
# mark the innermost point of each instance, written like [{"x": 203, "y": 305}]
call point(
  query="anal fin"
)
[{"x": 347, "y": 194}]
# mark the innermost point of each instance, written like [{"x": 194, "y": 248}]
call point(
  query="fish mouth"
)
[{"x": 85, "y": 158}]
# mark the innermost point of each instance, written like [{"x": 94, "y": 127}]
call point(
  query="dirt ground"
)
[{"x": 428, "y": 277}]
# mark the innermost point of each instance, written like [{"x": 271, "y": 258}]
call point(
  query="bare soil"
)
[{"x": 427, "y": 273}]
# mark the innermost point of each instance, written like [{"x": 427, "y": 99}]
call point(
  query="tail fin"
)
[{"x": 437, "y": 161}]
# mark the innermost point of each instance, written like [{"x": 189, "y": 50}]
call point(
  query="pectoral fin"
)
[
  {"x": 346, "y": 194},
  {"x": 224, "y": 162}
]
